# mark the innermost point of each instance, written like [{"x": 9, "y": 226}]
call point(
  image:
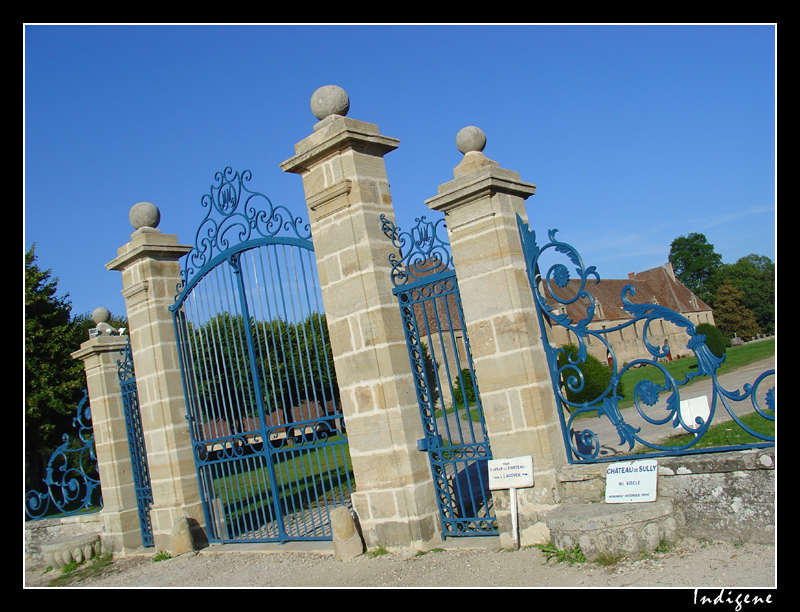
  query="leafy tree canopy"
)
[
  {"x": 54, "y": 381},
  {"x": 694, "y": 261},
  {"x": 754, "y": 277},
  {"x": 730, "y": 316}
]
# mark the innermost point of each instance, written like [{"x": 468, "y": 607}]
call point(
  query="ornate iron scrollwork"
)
[
  {"x": 236, "y": 214},
  {"x": 70, "y": 478},
  {"x": 420, "y": 252},
  {"x": 554, "y": 288}
]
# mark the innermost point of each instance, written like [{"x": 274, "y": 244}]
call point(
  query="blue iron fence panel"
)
[
  {"x": 447, "y": 390},
  {"x": 270, "y": 443},
  {"x": 71, "y": 480},
  {"x": 136, "y": 442},
  {"x": 638, "y": 427}
]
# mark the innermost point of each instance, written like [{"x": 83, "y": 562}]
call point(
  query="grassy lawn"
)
[
  {"x": 307, "y": 477},
  {"x": 727, "y": 433},
  {"x": 735, "y": 357}
]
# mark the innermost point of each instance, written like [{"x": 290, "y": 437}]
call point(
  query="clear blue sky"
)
[{"x": 633, "y": 135}]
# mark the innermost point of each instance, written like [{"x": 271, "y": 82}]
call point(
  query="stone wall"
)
[
  {"x": 41, "y": 533},
  {"x": 717, "y": 496}
]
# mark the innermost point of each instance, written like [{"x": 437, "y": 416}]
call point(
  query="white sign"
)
[
  {"x": 693, "y": 408},
  {"x": 514, "y": 473},
  {"x": 631, "y": 481}
]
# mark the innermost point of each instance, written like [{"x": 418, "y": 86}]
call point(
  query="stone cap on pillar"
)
[
  {"x": 335, "y": 132},
  {"x": 147, "y": 240},
  {"x": 477, "y": 176}
]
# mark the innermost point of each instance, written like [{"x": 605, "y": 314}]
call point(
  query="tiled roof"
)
[{"x": 657, "y": 286}]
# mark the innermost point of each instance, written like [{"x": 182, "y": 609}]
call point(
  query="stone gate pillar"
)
[
  {"x": 120, "y": 515},
  {"x": 150, "y": 274},
  {"x": 480, "y": 207},
  {"x": 346, "y": 189}
]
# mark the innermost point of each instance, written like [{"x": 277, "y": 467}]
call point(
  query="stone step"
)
[
  {"x": 78, "y": 549},
  {"x": 612, "y": 529}
]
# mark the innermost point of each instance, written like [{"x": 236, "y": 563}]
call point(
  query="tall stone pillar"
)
[
  {"x": 346, "y": 189},
  {"x": 119, "y": 516},
  {"x": 150, "y": 274},
  {"x": 480, "y": 207}
]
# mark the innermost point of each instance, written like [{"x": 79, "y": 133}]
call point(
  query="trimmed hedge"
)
[
  {"x": 715, "y": 341},
  {"x": 596, "y": 377}
]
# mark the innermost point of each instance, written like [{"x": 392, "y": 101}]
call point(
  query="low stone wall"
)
[
  {"x": 47, "y": 533},
  {"x": 716, "y": 496}
]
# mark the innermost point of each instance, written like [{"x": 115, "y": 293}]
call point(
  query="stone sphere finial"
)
[
  {"x": 101, "y": 315},
  {"x": 144, "y": 214},
  {"x": 329, "y": 100},
  {"x": 470, "y": 139}
]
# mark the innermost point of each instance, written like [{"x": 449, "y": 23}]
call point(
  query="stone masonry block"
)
[{"x": 612, "y": 529}]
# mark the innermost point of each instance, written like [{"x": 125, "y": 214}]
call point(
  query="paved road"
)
[{"x": 734, "y": 381}]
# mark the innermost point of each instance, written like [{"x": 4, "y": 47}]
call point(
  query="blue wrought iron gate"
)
[
  {"x": 646, "y": 420},
  {"x": 136, "y": 444},
  {"x": 269, "y": 438},
  {"x": 447, "y": 391}
]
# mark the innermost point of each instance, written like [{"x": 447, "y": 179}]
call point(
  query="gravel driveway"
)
[{"x": 689, "y": 564}]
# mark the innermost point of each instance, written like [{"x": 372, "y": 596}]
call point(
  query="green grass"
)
[
  {"x": 570, "y": 555},
  {"x": 728, "y": 433},
  {"x": 736, "y": 357},
  {"x": 77, "y": 572},
  {"x": 306, "y": 477}
]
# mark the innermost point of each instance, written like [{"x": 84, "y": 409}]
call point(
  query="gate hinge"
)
[{"x": 422, "y": 443}]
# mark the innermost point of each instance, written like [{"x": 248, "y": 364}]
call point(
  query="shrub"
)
[
  {"x": 468, "y": 391},
  {"x": 596, "y": 376},
  {"x": 715, "y": 341}
]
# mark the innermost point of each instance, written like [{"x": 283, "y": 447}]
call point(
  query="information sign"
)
[
  {"x": 631, "y": 481},
  {"x": 514, "y": 473}
]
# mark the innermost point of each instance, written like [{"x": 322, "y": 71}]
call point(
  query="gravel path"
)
[{"x": 689, "y": 564}]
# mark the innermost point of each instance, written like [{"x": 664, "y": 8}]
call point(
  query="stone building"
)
[{"x": 657, "y": 286}]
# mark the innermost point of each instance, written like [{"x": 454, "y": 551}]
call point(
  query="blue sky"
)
[{"x": 633, "y": 134}]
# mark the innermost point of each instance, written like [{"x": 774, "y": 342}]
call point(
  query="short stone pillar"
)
[
  {"x": 150, "y": 274},
  {"x": 119, "y": 516},
  {"x": 481, "y": 206},
  {"x": 346, "y": 189}
]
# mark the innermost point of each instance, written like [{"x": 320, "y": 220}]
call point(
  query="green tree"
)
[
  {"x": 54, "y": 381},
  {"x": 730, "y": 317},
  {"x": 293, "y": 360},
  {"x": 694, "y": 261},
  {"x": 754, "y": 277}
]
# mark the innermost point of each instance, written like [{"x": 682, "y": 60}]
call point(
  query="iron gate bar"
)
[
  {"x": 255, "y": 361},
  {"x": 136, "y": 442},
  {"x": 424, "y": 284}
]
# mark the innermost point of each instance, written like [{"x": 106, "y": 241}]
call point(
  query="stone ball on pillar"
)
[
  {"x": 144, "y": 214},
  {"x": 329, "y": 100},
  {"x": 470, "y": 139},
  {"x": 101, "y": 315}
]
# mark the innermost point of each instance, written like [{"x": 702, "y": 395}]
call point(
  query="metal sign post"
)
[{"x": 512, "y": 474}]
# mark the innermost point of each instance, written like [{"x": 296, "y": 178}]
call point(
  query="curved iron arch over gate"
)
[{"x": 269, "y": 438}]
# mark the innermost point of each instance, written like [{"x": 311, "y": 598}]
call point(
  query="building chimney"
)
[{"x": 631, "y": 275}]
